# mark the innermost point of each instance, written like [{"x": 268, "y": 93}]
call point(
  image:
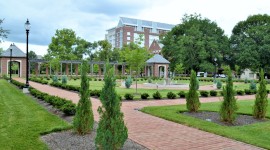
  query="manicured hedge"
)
[
  {"x": 65, "y": 86},
  {"x": 39, "y": 80},
  {"x": 63, "y": 104}
]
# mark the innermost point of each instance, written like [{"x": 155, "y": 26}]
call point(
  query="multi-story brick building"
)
[{"x": 129, "y": 30}]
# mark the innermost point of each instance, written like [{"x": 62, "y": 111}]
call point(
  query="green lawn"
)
[
  {"x": 22, "y": 120},
  {"x": 256, "y": 134}
]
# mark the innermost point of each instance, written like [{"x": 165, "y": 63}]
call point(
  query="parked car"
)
[{"x": 220, "y": 76}]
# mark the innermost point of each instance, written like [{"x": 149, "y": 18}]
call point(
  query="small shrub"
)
[
  {"x": 221, "y": 93},
  {"x": 64, "y": 79},
  {"x": 144, "y": 95},
  {"x": 69, "y": 108},
  {"x": 246, "y": 80},
  {"x": 171, "y": 95},
  {"x": 55, "y": 79},
  {"x": 219, "y": 84},
  {"x": 128, "y": 82},
  {"x": 149, "y": 80},
  {"x": 248, "y": 91},
  {"x": 128, "y": 96},
  {"x": 213, "y": 93},
  {"x": 204, "y": 93},
  {"x": 240, "y": 92},
  {"x": 182, "y": 94},
  {"x": 252, "y": 85},
  {"x": 120, "y": 97},
  {"x": 157, "y": 95}
]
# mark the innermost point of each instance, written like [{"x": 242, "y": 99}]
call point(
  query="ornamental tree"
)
[
  {"x": 192, "y": 98},
  {"x": 261, "y": 102},
  {"x": 112, "y": 131},
  {"x": 84, "y": 120},
  {"x": 228, "y": 106}
]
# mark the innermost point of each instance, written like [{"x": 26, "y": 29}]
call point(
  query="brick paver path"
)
[{"x": 157, "y": 133}]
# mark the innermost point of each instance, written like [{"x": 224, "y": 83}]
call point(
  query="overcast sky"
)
[{"x": 90, "y": 18}]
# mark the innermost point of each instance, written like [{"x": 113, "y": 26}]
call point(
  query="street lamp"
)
[
  {"x": 27, "y": 28},
  {"x": 215, "y": 60},
  {"x": 10, "y": 62}
]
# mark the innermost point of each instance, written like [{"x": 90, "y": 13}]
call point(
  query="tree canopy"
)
[
  {"x": 3, "y": 32},
  {"x": 250, "y": 43},
  {"x": 195, "y": 43}
]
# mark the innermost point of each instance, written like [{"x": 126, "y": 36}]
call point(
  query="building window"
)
[
  {"x": 128, "y": 33},
  {"x": 128, "y": 38}
]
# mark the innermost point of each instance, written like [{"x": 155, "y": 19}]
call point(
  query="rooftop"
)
[
  {"x": 16, "y": 52},
  {"x": 157, "y": 59}
]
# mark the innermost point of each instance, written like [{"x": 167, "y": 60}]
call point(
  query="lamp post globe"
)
[{"x": 27, "y": 26}]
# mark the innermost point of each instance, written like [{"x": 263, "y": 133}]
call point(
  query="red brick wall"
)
[{"x": 5, "y": 60}]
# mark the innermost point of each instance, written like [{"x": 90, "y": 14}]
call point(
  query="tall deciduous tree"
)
[
  {"x": 250, "y": 43},
  {"x": 84, "y": 118},
  {"x": 111, "y": 132},
  {"x": 195, "y": 43},
  {"x": 3, "y": 32},
  {"x": 228, "y": 106},
  {"x": 193, "y": 102},
  {"x": 261, "y": 102},
  {"x": 105, "y": 52},
  {"x": 32, "y": 55},
  {"x": 135, "y": 57}
]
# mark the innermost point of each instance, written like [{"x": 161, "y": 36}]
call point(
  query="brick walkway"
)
[{"x": 156, "y": 133}]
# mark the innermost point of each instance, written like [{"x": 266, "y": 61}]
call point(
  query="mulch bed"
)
[
  {"x": 215, "y": 117},
  {"x": 69, "y": 140}
]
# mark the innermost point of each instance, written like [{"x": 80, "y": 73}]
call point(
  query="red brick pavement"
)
[{"x": 157, "y": 133}]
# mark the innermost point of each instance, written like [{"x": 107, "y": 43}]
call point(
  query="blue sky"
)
[{"x": 90, "y": 18}]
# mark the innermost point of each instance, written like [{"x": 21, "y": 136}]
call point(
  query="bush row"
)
[
  {"x": 212, "y": 79},
  {"x": 63, "y": 104},
  {"x": 39, "y": 80}
]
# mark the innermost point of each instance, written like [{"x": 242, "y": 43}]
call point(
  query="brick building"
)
[
  {"x": 129, "y": 30},
  {"x": 18, "y": 56}
]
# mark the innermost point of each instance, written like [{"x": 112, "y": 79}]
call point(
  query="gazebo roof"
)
[
  {"x": 157, "y": 59},
  {"x": 16, "y": 52}
]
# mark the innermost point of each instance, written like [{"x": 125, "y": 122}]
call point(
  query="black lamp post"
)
[
  {"x": 27, "y": 28},
  {"x": 10, "y": 62},
  {"x": 215, "y": 60},
  {"x": 168, "y": 72}
]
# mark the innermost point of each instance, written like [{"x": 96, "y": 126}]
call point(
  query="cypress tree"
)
[
  {"x": 84, "y": 119},
  {"x": 228, "y": 106},
  {"x": 193, "y": 102},
  {"x": 111, "y": 132},
  {"x": 261, "y": 102}
]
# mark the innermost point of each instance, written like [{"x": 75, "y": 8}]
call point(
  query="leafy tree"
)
[
  {"x": 250, "y": 43},
  {"x": 179, "y": 69},
  {"x": 228, "y": 106},
  {"x": 135, "y": 57},
  {"x": 192, "y": 98},
  {"x": 90, "y": 48},
  {"x": 111, "y": 132},
  {"x": 195, "y": 43},
  {"x": 261, "y": 102},
  {"x": 3, "y": 32},
  {"x": 55, "y": 65},
  {"x": 84, "y": 118},
  {"x": 15, "y": 67},
  {"x": 105, "y": 52},
  {"x": 95, "y": 68},
  {"x": 32, "y": 55}
]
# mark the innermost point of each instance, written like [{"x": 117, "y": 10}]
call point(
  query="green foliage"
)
[
  {"x": 3, "y": 32},
  {"x": 129, "y": 96},
  {"x": 157, "y": 95},
  {"x": 240, "y": 92},
  {"x": 182, "y": 94},
  {"x": 171, "y": 95},
  {"x": 213, "y": 93},
  {"x": 55, "y": 79},
  {"x": 204, "y": 93},
  {"x": 105, "y": 50},
  {"x": 111, "y": 132},
  {"x": 64, "y": 79},
  {"x": 250, "y": 42},
  {"x": 149, "y": 80},
  {"x": 192, "y": 97},
  {"x": 194, "y": 43},
  {"x": 69, "y": 108},
  {"x": 228, "y": 107},
  {"x": 84, "y": 119},
  {"x": 197, "y": 84},
  {"x": 252, "y": 85},
  {"x": 96, "y": 68},
  {"x": 261, "y": 102},
  {"x": 179, "y": 69},
  {"x": 144, "y": 95},
  {"x": 246, "y": 80},
  {"x": 219, "y": 84},
  {"x": 128, "y": 82}
]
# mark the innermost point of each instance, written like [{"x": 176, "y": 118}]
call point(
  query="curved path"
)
[{"x": 157, "y": 133}]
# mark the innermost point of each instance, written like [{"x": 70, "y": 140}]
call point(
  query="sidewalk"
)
[{"x": 157, "y": 133}]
